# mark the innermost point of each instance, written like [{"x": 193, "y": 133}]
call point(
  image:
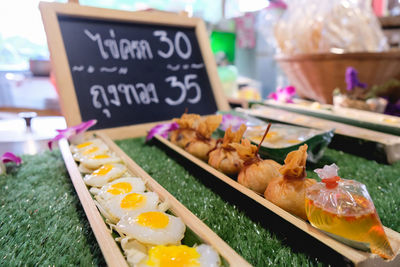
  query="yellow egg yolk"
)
[
  {"x": 173, "y": 256},
  {"x": 390, "y": 120},
  {"x": 133, "y": 201},
  {"x": 293, "y": 141},
  {"x": 103, "y": 170},
  {"x": 100, "y": 157},
  {"x": 120, "y": 188},
  {"x": 84, "y": 145},
  {"x": 90, "y": 150},
  {"x": 271, "y": 135},
  {"x": 153, "y": 219}
]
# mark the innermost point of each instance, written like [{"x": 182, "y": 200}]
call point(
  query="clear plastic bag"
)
[
  {"x": 338, "y": 26},
  {"x": 343, "y": 209}
]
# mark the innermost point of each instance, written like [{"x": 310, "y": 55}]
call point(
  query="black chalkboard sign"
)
[{"x": 132, "y": 72}]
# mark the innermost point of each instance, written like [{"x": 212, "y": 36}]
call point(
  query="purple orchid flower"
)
[
  {"x": 8, "y": 157},
  {"x": 162, "y": 129},
  {"x": 233, "y": 121},
  {"x": 284, "y": 95},
  {"x": 393, "y": 108},
  {"x": 74, "y": 133},
  {"x": 352, "y": 79}
]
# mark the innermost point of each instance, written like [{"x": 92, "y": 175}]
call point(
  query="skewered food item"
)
[{"x": 256, "y": 172}]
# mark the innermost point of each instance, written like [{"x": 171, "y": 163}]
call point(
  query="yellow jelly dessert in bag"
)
[{"x": 344, "y": 210}]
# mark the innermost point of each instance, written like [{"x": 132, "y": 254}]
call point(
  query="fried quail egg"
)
[
  {"x": 153, "y": 227},
  {"x": 105, "y": 174},
  {"x": 88, "y": 149},
  {"x": 85, "y": 145},
  {"x": 126, "y": 204},
  {"x": 122, "y": 186},
  {"x": 181, "y": 256},
  {"x": 94, "y": 162}
]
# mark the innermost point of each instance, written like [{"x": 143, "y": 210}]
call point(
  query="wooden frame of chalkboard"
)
[{"x": 97, "y": 79}]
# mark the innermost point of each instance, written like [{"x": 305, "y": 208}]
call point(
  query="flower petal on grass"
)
[{"x": 10, "y": 157}]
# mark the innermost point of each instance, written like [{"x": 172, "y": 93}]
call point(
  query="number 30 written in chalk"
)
[{"x": 179, "y": 37}]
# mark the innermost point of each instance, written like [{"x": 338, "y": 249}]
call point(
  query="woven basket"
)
[{"x": 315, "y": 76}]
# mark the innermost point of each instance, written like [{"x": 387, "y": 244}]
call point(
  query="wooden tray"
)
[
  {"x": 111, "y": 251},
  {"x": 357, "y": 257},
  {"x": 360, "y": 118},
  {"x": 390, "y": 143}
]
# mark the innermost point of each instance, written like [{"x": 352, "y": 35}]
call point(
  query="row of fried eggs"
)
[{"x": 149, "y": 235}]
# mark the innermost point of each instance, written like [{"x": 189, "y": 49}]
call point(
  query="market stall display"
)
[
  {"x": 354, "y": 255},
  {"x": 126, "y": 206},
  {"x": 286, "y": 190},
  {"x": 190, "y": 79}
]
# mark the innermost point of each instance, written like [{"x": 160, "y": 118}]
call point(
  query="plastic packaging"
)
[
  {"x": 338, "y": 26},
  {"x": 344, "y": 210}
]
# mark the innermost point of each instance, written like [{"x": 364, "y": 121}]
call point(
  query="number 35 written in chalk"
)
[{"x": 184, "y": 87}]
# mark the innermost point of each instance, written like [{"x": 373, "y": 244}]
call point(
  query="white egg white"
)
[
  {"x": 85, "y": 170},
  {"x": 96, "y": 148},
  {"x": 137, "y": 185},
  {"x": 86, "y": 145},
  {"x": 115, "y": 212},
  {"x": 208, "y": 256},
  {"x": 96, "y": 161},
  {"x": 97, "y": 180},
  {"x": 171, "y": 234}
]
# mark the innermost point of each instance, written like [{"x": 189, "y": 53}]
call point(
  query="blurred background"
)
[
  {"x": 242, "y": 51},
  {"x": 259, "y": 46}
]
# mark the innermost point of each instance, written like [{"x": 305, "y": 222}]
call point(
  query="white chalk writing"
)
[
  {"x": 78, "y": 68},
  {"x": 184, "y": 88},
  {"x": 120, "y": 49},
  {"x": 169, "y": 45}
]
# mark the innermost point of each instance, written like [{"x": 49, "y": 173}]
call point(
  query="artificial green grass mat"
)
[
  {"x": 256, "y": 244},
  {"x": 41, "y": 220}
]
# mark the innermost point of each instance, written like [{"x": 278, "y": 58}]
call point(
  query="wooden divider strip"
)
[
  {"x": 194, "y": 223},
  {"x": 111, "y": 252},
  {"x": 359, "y": 258}
]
